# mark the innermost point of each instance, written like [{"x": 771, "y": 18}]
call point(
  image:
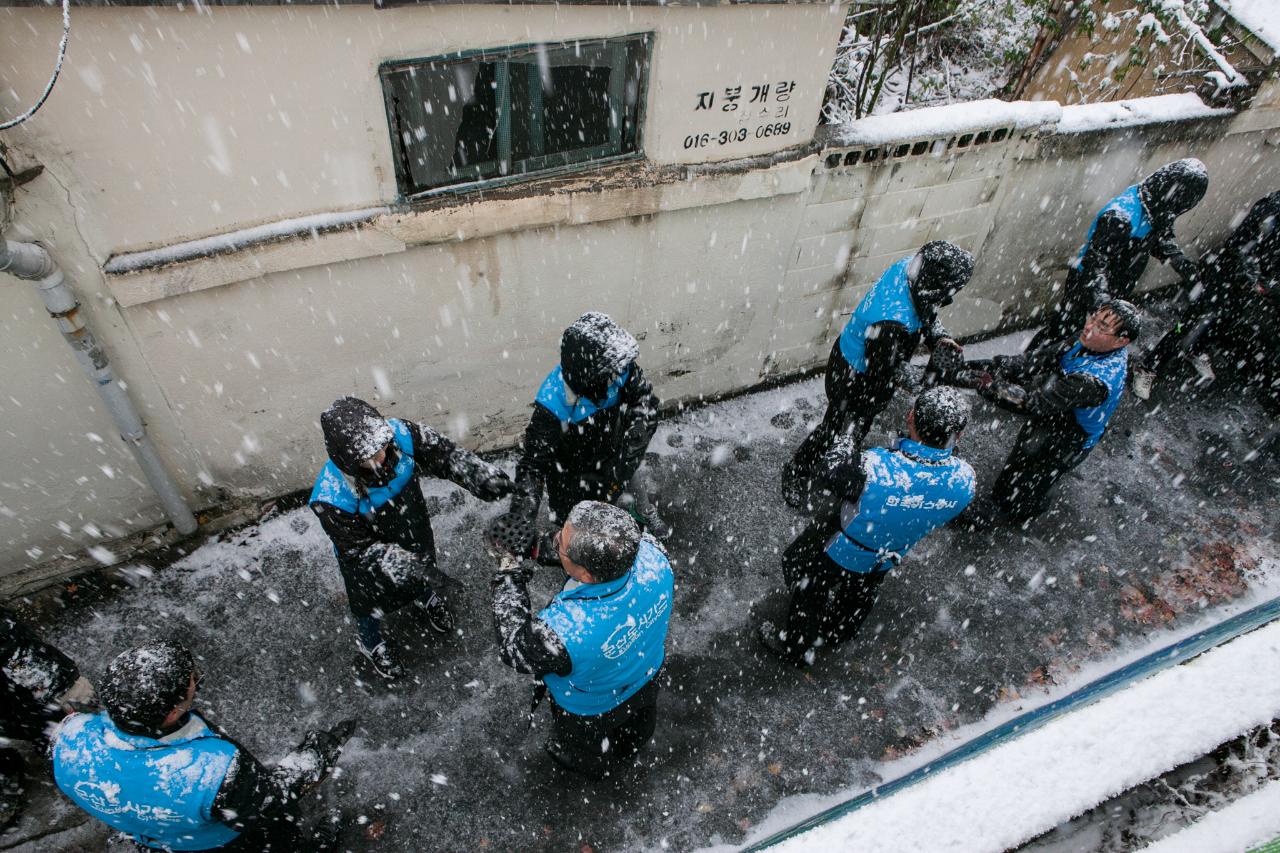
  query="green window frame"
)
[{"x": 499, "y": 115}]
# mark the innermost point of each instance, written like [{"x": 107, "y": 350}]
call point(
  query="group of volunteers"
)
[{"x": 139, "y": 758}]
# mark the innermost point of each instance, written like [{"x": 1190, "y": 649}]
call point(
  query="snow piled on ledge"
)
[
  {"x": 235, "y": 240},
  {"x": 932, "y": 122},
  {"x": 1158, "y": 108},
  {"x": 953, "y": 119},
  {"x": 1260, "y": 17}
]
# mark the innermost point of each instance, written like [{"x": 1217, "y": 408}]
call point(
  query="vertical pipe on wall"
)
[{"x": 32, "y": 262}]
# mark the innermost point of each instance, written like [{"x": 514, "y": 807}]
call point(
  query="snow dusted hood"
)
[
  {"x": 593, "y": 352},
  {"x": 353, "y": 431}
]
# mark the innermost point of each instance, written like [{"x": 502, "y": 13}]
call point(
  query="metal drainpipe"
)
[{"x": 32, "y": 262}]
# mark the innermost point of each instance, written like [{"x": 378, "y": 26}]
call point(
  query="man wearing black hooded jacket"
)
[
  {"x": 1132, "y": 227},
  {"x": 881, "y": 336},
  {"x": 592, "y": 420},
  {"x": 368, "y": 500},
  {"x": 1233, "y": 306}
]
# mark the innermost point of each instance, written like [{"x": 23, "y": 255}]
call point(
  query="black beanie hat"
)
[
  {"x": 353, "y": 432},
  {"x": 145, "y": 683}
]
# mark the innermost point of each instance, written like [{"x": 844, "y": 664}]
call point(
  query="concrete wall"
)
[
  {"x": 731, "y": 265},
  {"x": 173, "y": 124}
]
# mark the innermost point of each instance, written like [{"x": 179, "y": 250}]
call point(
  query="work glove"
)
[
  {"x": 309, "y": 764},
  {"x": 1184, "y": 267},
  {"x": 604, "y": 486},
  {"x": 971, "y": 378},
  {"x": 998, "y": 390},
  {"x": 494, "y": 484}
]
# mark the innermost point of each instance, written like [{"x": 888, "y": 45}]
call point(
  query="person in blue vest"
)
[
  {"x": 150, "y": 767},
  {"x": 599, "y": 645},
  {"x": 868, "y": 509},
  {"x": 39, "y": 685},
  {"x": 369, "y": 501},
  {"x": 1131, "y": 228},
  {"x": 1068, "y": 396},
  {"x": 877, "y": 342},
  {"x": 592, "y": 421}
]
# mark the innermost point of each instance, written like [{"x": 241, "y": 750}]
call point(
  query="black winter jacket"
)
[
  {"x": 607, "y": 447},
  {"x": 1114, "y": 261},
  {"x": 33, "y": 674},
  {"x": 387, "y": 557}
]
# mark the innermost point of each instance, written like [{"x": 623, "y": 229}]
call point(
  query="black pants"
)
[
  {"x": 1041, "y": 456},
  {"x": 593, "y": 745},
  {"x": 852, "y": 404},
  {"x": 828, "y": 604}
]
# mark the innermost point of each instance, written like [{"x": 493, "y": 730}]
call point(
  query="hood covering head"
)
[
  {"x": 145, "y": 683},
  {"x": 940, "y": 413},
  {"x": 1174, "y": 189},
  {"x": 943, "y": 269},
  {"x": 595, "y": 351},
  {"x": 353, "y": 432}
]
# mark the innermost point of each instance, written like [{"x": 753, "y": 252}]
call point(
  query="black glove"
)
[
  {"x": 601, "y": 487},
  {"x": 326, "y": 746},
  {"x": 494, "y": 485},
  {"x": 1184, "y": 267},
  {"x": 970, "y": 378},
  {"x": 512, "y": 533},
  {"x": 1000, "y": 391}
]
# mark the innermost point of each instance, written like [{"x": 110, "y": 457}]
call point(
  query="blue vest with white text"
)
[
  {"x": 615, "y": 633},
  {"x": 333, "y": 488},
  {"x": 909, "y": 491},
  {"x": 161, "y": 792},
  {"x": 556, "y": 397},
  {"x": 888, "y": 299},
  {"x": 1130, "y": 204},
  {"x": 1109, "y": 367}
]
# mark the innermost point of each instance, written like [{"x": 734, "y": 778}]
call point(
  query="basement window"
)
[{"x": 497, "y": 115}]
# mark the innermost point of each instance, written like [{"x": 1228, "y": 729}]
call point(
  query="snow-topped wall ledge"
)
[
  {"x": 1047, "y": 116},
  {"x": 1082, "y": 118},
  {"x": 944, "y": 121}
]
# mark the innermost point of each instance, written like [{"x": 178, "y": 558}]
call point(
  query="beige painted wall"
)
[
  {"x": 171, "y": 124},
  {"x": 728, "y": 275}
]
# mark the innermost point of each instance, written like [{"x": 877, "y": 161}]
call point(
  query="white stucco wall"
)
[
  {"x": 728, "y": 273},
  {"x": 170, "y": 124}
]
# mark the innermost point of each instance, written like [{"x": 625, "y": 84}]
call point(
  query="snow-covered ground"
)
[
  {"x": 1023, "y": 787},
  {"x": 1165, "y": 526}
]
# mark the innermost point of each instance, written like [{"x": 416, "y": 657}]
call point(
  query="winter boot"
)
[
  {"x": 1203, "y": 367},
  {"x": 436, "y": 612},
  {"x": 1143, "y": 379},
  {"x": 774, "y": 642},
  {"x": 383, "y": 661}
]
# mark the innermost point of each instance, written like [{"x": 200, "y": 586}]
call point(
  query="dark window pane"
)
[{"x": 515, "y": 112}]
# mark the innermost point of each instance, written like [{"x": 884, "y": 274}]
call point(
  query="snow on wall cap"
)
[
  {"x": 1082, "y": 118},
  {"x": 949, "y": 120},
  {"x": 1260, "y": 17}
]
